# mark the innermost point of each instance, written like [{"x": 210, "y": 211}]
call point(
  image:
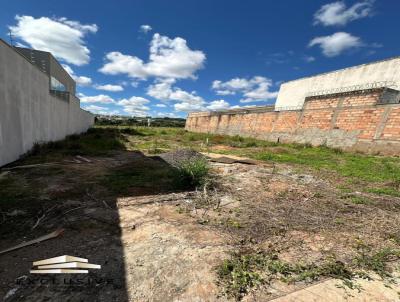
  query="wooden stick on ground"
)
[
  {"x": 31, "y": 166},
  {"x": 83, "y": 158},
  {"x": 54, "y": 234}
]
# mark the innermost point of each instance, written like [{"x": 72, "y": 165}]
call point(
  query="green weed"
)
[
  {"x": 375, "y": 261},
  {"x": 233, "y": 223},
  {"x": 356, "y": 199},
  {"x": 193, "y": 172},
  {"x": 385, "y": 191},
  {"x": 242, "y": 272}
]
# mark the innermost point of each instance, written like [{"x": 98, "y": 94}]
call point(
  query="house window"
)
[{"x": 56, "y": 85}]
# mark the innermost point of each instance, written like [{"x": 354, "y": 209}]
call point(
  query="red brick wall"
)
[
  {"x": 324, "y": 103},
  {"x": 361, "y": 100},
  {"x": 267, "y": 121},
  {"x": 365, "y": 120},
  {"x": 392, "y": 127},
  {"x": 356, "y": 116},
  {"x": 286, "y": 121},
  {"x": 320, "y": 119}
]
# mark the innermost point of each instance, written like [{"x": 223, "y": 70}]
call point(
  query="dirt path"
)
[{"x": 168, "y": 256}]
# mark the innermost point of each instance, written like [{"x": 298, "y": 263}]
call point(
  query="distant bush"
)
[
  {"x": 131, "y": 131},
  {"x": 136, "y": 121}
]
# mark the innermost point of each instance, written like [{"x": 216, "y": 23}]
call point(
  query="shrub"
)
[
  {"x": 242, "y": 272},
  {"x": 131, "y": 131},
  {"x": 385, "y": 191},
  {"x": 239, "y": 274},
  {"x": 193, "y": 172},
  {"x": 218, "y": 139},
  {"x": 191, "y": 138},
  {"x": 265, "y": 156}
]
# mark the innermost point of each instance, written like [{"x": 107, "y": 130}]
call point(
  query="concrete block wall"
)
[
  {"x": 28, "y": 112},
  {"x": 353, "y": 121}
]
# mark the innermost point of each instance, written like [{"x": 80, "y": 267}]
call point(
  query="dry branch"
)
[
  {"x": 37, "y": 240},
  {"x": 143, "y": 200},
  {"x": 30, "y": 166}
]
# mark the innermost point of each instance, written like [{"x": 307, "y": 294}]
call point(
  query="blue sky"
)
[{"x": 168, "y": 58}]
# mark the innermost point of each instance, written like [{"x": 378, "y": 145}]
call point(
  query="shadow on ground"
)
[{"x": 79, "y": 196}]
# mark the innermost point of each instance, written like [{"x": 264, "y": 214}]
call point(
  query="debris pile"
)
[{"x": 176, "y": 158}]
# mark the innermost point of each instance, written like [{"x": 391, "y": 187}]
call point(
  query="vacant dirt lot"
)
[{"x": 255, "y": 230}]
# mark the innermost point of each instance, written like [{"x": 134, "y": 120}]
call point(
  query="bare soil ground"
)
[{"x": 160, "y": 242}]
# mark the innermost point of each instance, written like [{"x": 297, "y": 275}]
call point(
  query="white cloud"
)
[
  {"x": 309, "y": 59},
  {"x": 240, "y": 107},
  {"x": 133, "y": 101},
  {"x": 94, "y": 108},
  {"x": 110, "y": 87},
  {"x": 184, "y": 96},
  {"x": 169, "y": 58},
  {"x": 135, "y": 105},
  {"x": 161, "y": 105},
  {"x": 188, "y": 107},
  {"x": 186, "y": 101},
  {"x": 337, "y": 13},
  {"x": 337, "y": 43},
  {"x": 62, "y": 37},
  {"x": 163, "y": 90},
  {"x": 231, "y": 86},
  {"x": 19, "y": 44},
  {"x": 218, "y": 105},
  {"x": 166, "y": 114},
  {"x": 119, "y": 63},
  {"x": 145, "y": 28},
  {"x": 101, "y": 110},
  {"x": 260, "y": 92},
  {"x": 101, "y": 98},
  {"x": 253, "y": 90},
  {"x": 225, "y": 92},
  {"x": 80, "y": 80}
]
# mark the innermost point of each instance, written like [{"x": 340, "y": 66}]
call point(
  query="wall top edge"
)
[
  {"x": 350, "y": 93},
  {"x": 17, "y": 52},
  {"x": 271, "y": 109},
  {"x": 15, "y": 49},
  {"x": 343, "y": 69}
]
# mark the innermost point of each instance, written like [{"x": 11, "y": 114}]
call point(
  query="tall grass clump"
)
[{"x": 193, "y": 172}]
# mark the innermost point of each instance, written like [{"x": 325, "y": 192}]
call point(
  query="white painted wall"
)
[
  {"x": 293, "y": 93},
  {"x": 28, "y": 113}
]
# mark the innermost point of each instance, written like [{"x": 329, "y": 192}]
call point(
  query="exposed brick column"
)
[
  {"x": 300, "y": 119},
  {"x": 382, "y": 122},
  {"x": 336, "y": 112}
]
